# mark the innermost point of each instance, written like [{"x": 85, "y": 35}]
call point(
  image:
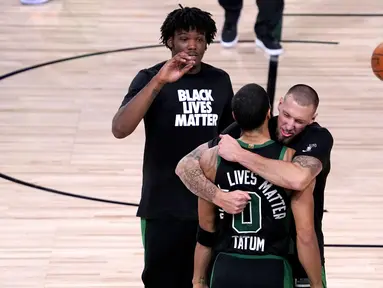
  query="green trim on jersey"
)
[
  {"x": 252, "y": 146},
  {"x": 283, "y": 152},
  {"x": 324, "y": 280},
  {"x": 143, "y": 231},
  {"x": 143, "y": 234}
]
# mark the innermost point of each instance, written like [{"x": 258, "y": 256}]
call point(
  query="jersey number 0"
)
[{"x": 250, "y": 219}]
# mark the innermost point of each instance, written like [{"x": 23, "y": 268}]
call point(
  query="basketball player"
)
[
  {"x": 184, "y": 102},
  {"x": 270, "y": 13},
  {"x": 252, "y": 246},
  {"x": 295, "y": 126}
]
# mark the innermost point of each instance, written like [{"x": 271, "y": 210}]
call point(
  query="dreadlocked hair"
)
[{"x": 188, "y": 19}]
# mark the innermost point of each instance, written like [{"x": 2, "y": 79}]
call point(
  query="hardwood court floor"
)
[{"x": 55, "y": 125}]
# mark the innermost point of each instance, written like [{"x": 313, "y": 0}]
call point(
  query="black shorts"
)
[
  {"x": 169, "y": 252},
  {"x": 245, "y": 271}
]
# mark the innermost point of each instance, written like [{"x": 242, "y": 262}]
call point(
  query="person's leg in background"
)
[
  {"x": 270, "y": 14},
  {"x": 159, "y": 256},
  {"x": 266, "y": 28},
  {"x": 169, "y": 252},
  {"x": 188, "y": 241},
  {"x": 229, "y": 36}
]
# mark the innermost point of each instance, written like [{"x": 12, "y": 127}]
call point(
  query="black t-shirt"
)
[
  {"x": 315, "y": 141},
  {"x": 184, "y": 115}
]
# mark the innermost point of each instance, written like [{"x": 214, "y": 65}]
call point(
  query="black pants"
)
[
  {"x": 270, "y": 14},
  {"x": 169, "y": 253},
  {"x": 233, "y": 270}
]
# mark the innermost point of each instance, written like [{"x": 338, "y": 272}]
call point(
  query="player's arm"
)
[
  {"x": 140, "y": 96},
  {"x": 206, "y": 219},
  {"x": 205, "y": 241},
  {"x": 302, "y": 205},
  {"x": 190, "y": 172},
  {"x": 295, "y": 175}
]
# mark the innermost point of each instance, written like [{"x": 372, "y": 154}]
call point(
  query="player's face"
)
[
  {"x": 191, "y": 42},
  {"x": 293, "y": 118}
]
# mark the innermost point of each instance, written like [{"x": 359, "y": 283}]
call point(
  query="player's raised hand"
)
[
  {"x": 233, "y": 202},
  {"x": 176, "y": 67}
]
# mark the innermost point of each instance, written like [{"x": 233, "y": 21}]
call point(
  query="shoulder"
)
[
  {"x": 213, "y": 142},
  {"x": 157, "y": 67},
  {"x": 319, "y": 132},
  {"x": 233, "y": 130},
  {"x": 153, "y": 70},
  {"x": 209, "y": 159},
  {"x": 215, "y": 71},
  {"x": 143, "y": 76},
  {"x": 316, "y": 144}
]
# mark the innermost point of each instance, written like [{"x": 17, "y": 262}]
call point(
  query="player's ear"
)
[
  {"x": 280, "y": 104},
  {"x": 169, "y": 42},
  {"x": 314, "y": 117},
  {"x": 232, "y": 113}
]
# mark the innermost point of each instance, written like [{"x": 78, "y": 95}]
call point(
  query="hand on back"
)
[{"x": 233, "y": 202}]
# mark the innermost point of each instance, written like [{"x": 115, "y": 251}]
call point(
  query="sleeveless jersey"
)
[{"x": 263, "y": 228}]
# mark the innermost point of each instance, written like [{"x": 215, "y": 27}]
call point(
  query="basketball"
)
[{"x": 377, "y": 61}]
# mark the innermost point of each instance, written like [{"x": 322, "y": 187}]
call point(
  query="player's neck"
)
[
  {"x": 195, "y": 69},
  {"x": 257, "y": 137}
]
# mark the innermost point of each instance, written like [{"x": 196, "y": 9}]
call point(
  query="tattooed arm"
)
[
  {"x": 191, "y": 174},
  {"x": 295, "y": 175},
  {"x": 193, "y": 177},
  {"x": 135, "y": 105},
  {"x": 308, "y": 160}
]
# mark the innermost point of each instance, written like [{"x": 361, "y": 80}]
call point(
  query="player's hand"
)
[
  {"x": 233, "y": 202},
  {"x": 229, "y": 148},
  {"x": 176, "y": 67}
]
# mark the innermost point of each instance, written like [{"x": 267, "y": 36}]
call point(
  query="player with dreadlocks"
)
[{"x": 184, "y": 103}]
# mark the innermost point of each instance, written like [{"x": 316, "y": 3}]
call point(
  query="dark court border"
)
[
  {"x": 31, "y": 185},
  {"x": 140, "y": 48}
]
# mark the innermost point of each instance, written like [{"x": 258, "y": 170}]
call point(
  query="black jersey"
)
[
  {"x": 184, "y": 115},
  {"x": 315, "y": 141},
  {"x": 264, "y": 225}
]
